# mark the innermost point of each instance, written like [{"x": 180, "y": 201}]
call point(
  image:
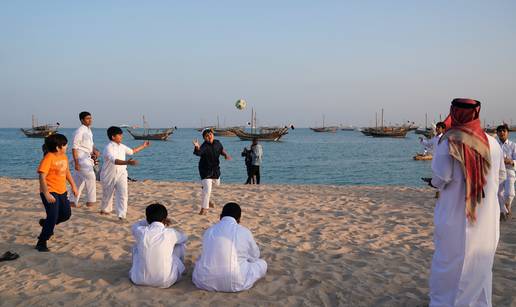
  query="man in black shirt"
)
[{"x": 209, "y": 168}]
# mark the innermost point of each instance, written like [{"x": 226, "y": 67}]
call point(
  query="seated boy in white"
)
[
  {"x": 230, "y": 259},
  {"x": 158, "y": 253}
]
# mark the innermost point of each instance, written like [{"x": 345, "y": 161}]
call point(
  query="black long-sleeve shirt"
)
[{"x": 209, "y": 163}]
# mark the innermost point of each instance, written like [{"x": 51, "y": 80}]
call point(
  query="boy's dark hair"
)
[
  {"x": 440, "y": 125},
  {"x": 112, "y": 131},
  {"x": 155, "y": 213},
  {"x": 502, "y": 128},
  {"x": 206, "y": 131},
  {"x": 231, "y": 209},
  {"x": 52, "y": 142},
  {"x": 83, "y": 114}
]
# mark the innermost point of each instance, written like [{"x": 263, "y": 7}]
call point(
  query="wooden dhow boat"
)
[
  {"x": 331, "y": 129},
  {"x": 269, "y": 136},
  {"x": 39, "y": 131},
  {"x": 422, "y": 157},
  {"x": 155, "y": 134},
  {"x": 387, "y": 132}
]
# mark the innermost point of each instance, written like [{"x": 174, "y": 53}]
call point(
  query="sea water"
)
[{"x": 301, "y": 157}]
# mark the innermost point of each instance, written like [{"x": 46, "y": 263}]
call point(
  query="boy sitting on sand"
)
[
  {"x": 114, "y": 172},
  {"x": 230, "y": 259},
  {"x": 158, "y": 253},
  {"x": 53, "y": 173}
]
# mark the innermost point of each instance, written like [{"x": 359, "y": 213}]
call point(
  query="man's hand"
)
[
  {"x": 228, "y": 157},
  {"x": 132, "y": 162},
  {"x": 50, "y": 198},
  {"x": 508, "y": 161},
  {"x": 77, "y": 166},
  {"x": 146, "y": 144}
]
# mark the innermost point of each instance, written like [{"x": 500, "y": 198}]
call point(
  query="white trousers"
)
[
  {"x": 118, "y": 187},
  {"x": 206, "y": 191},
  {"x": 85, "y": 178},
  {"x": 506, "y": 191}
]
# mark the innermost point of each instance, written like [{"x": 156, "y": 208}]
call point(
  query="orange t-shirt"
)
[{"x": 56, "y": 167}]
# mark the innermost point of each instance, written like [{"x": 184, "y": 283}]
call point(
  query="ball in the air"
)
[{"x": 240, "y": 104}]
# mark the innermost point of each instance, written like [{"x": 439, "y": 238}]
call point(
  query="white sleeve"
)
[
  {"x": 442, "y": 166},
  {"x": 108, "y": 154},
  {"x": 254, "y": 251},
  {"x": 503, "y": 172},
  {"x": 128, "y": 151},
  {"x": 77, "y": 138},
  {"x": 135, "y": 228}
]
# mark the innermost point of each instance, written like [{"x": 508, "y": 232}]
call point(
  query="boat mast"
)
[
  {"x": 34, "y": 123},
  {"x": 426, "y": 121},
  {"x": 382, "y": 120},
  {"x": 375, "y": 120}
]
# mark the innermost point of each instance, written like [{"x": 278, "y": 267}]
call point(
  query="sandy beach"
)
[{"x": 325, "y": 246}]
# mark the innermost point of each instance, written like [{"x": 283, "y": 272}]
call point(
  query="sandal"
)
[{"x": 8, "y": 256}]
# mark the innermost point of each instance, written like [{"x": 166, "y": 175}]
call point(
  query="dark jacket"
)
[{"x": 209, "y": 162}]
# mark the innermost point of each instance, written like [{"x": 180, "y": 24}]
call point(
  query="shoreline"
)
[{"x": 325, "y": 245}]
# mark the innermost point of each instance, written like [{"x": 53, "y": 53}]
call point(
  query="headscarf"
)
[{"x": 468, "y": 144}]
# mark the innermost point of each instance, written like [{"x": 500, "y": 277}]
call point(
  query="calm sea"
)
[{"x": 301, "y": 157}]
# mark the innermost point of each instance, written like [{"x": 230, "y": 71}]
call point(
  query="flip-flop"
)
[{"x": 8, "y": 256}]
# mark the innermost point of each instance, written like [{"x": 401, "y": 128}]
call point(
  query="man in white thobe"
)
[
  {"x": 113, "y": 175},
  {"x": 83, "y": 152},
  {"x": 506, "y": 190},
  {"x": 158, "y": 252},
  {"x": 230, "y": 259},
  {"x": 465, "y": 242},
  {"x": 431, "y": 144}
]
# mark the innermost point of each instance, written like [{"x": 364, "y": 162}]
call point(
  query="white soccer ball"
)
[{"x": 240, "y": 104}]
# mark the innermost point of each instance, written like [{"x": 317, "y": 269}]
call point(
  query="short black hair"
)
[
  {"x": 52, "y": 142},
  {"x": 502, "y": 127},
  {"x": 112, "y": 131},
  {"x": 206, "y": 131},
  {"x": 155, "y": 213},
  {"x": 83, "y": 114},
  {"x": 231, "y": 209},
  {"x": 440, "y": 125}
]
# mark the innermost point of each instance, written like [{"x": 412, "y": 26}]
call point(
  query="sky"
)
[{"x": 185, "y": 63}]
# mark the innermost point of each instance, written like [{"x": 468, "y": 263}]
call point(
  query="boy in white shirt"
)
[
  {"x": 158, "y": 252},
  {"x": 113, "y": 175}
]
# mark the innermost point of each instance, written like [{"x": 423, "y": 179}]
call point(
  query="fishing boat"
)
[
  {"x": 218, "y": 131},
  {"x": 269, "y": 136},
  {"x": 422, "y": 157},
  {"x": 382, "y": 131},
  {"x": 40, "y": 131},
  {"x": 331, "y": 129},
  {"x": 274, "y": 135},
  {"x": 156, "y": 134}
]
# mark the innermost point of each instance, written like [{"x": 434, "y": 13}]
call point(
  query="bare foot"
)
[
  {"x": 74, "y": 205},
  {"x": 203, "y": 211},
  {"x": 104, "y": 212},
  {"x": 211, "y": 205},
  {"x": 89, "y": 205}
]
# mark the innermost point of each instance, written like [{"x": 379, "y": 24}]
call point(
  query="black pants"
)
[
  {"x": 249, "y": 174},
  {"x": 255, "y": 172},
  {"x": 57, "y": 212}
]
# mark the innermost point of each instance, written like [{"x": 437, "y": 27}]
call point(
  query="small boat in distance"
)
[
  {"x": 156, "y": 134},
  {"x": 383, "y": 131},
  {"x": 331, "y": 129},
  {"x": 40, "y": 131}
]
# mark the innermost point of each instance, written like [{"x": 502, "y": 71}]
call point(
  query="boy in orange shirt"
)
[{"x": 53, "y": 173}]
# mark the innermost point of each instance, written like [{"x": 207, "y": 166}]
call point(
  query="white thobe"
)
[
  {"x": 431, "y": 144},
  {"x": 158, "y": 254},
  {"x": 461, "y": 273},
  {"x": 83, "y": 145},
  {"x": 114, "y": 178},
  {"x": 230, "y": 259},
  {"x": 506, "y": 191}
]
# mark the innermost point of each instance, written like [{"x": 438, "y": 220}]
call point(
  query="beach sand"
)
[{"x": 325, "y": 246}]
